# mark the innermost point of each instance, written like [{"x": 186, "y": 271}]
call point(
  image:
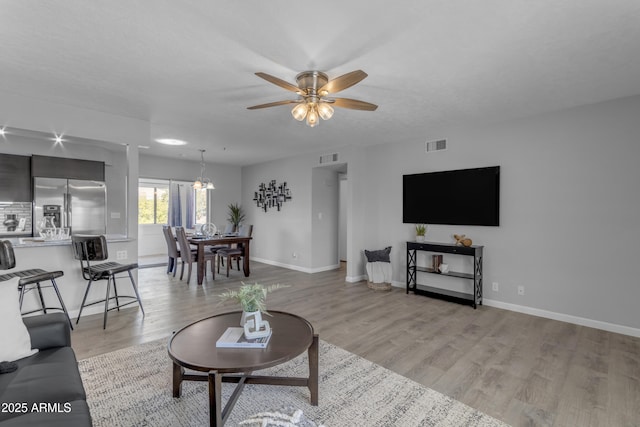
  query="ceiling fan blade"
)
[
  {"x": 353, "y": 104},
  {"x": 273, "y": 104},
  {"x": 343, "y": 82},
  {"x": 279, "y": 82}
]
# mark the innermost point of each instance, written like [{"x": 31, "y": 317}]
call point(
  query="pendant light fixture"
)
[{"x": 202, "y": 181}]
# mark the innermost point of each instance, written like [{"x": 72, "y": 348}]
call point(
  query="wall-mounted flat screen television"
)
[{"x": 457, "y": 197}]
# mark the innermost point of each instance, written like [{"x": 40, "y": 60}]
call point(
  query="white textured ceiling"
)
[{"x": 188, "y": 67}]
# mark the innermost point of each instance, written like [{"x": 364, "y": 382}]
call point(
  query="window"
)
[
  {"x": 153, "y": 204},
  {"x": 200, "y": 197}
]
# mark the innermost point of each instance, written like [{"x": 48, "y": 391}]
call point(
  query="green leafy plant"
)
[
  {"x": 251, "y": 297},
  {"x": 421, "y": 229},
  {"x": 236, "y": 215}
]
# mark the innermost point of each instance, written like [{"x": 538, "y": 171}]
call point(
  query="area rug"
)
[{"x": 132, "y": 387}]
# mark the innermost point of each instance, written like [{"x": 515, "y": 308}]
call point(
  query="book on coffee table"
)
[{"x": 235, "y": 338}]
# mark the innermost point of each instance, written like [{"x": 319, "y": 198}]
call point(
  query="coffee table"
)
[{"x": 194, "y": 347}]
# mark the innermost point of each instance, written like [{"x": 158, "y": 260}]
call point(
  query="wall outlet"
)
[
  {"x": 121, "y": 255},
  {"x": 495, "y": 286},
  {"x": 520, "y": 290}
]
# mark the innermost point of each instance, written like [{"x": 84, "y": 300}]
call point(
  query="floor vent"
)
[
  {"x": 329, "y": 158},
  {"x": 439, "y": 145}
]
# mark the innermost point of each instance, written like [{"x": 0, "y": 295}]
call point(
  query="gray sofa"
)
[{"x": 46, "y": 390}]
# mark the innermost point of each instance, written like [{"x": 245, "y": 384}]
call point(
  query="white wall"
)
[
  {"x": 324, "y": 218},
  {"x": 569, "y": 208},
  {"x": 281, "y": 237},
  {"x": 343, "y": 205}
]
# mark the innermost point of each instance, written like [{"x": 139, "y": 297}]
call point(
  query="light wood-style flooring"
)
[{"x": 521, "y": 369}]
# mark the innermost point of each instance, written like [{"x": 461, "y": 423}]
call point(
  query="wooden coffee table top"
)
[{"x": 194, "y": 346}]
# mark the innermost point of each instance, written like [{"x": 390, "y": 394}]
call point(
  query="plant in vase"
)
[
  {"x": 421, "y": 230},
  {"x": 252, "y": 298},
  {"x": 236, "y": 215}
]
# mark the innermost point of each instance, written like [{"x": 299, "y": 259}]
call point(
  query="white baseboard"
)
[
  {"x": 605, "y": 326},
  {"x": 297, "y": 267}
]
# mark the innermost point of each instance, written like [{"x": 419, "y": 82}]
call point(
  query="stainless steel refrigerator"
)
[{"x": 77, "y": 204}]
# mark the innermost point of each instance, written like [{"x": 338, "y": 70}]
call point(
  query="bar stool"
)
[
  {"x": 94, "y": 248},
  {"x": 30, "y": 280}
]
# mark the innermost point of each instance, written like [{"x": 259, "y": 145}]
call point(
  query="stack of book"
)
[
  {"x": 235, "y": 338},
  {"x": 437, "y": 260}
]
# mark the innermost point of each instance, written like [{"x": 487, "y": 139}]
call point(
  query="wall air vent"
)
[
  {"x": 329, "y": 158},
  {"x": 439, "y": 145}
]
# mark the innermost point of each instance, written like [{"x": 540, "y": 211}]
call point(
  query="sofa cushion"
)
[
  {"x": 68, "y": 414},
  {"x": 51, "y": 376},
  {"x": 15, "y": 339}
]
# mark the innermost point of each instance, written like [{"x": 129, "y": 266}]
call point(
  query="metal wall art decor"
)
[{"x": 271, "y": 195}]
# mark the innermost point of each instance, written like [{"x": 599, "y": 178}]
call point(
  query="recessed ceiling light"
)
[
  {"x": 58, "y": 139},
  {"x": 1, "y": 131},
  {"x": 145, "y": 147},
  {"x": 170, "y": 141}
]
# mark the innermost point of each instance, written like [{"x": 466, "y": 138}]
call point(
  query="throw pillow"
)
[
  {"x": 382, "y": 255},
  {"x": 15, "y": 339}
]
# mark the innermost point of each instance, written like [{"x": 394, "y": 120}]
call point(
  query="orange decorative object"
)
[{"x": 462, "y": 240}]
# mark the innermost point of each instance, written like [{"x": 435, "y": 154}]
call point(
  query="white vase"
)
[
  {"x": 249, "y": 314},
  {"x": 420, "y": 239},
  {"x": 254, "y": 326}
]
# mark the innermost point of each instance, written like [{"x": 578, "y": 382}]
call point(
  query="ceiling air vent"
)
[
  {"x": 439, "y": 145},
  {"x": 329, "y": 158}
]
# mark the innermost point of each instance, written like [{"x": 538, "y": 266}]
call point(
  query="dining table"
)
[{"x": 202, "y": 242}]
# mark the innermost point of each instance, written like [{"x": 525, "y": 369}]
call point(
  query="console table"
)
[{"x": 413, "y": 269}]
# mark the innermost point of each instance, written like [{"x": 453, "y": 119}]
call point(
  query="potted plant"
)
[
  {"x": 252, "y": 298},
  {"x": 421, "y": 230},
  {"x": 236, "y": 215}
]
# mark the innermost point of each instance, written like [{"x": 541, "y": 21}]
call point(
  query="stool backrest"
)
[
  {"x": 7, "y": 256},
  {"x": 89, "y": 248}
]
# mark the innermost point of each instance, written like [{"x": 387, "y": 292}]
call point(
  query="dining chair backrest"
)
[
  {"x": 7, "y": 256},
  {"x": 172, "y": 246},
  {"x": 185, "y": 248},
  {"x": 245, "y": 230}
]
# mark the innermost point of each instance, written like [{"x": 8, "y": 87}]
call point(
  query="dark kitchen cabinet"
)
[{"x": 15, "y": 178}]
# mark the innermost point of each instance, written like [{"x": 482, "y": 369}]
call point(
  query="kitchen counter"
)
[{"x": 30, "y": 242}]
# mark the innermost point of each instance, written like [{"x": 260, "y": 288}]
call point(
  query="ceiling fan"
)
[{"x": 314, "y": 88}]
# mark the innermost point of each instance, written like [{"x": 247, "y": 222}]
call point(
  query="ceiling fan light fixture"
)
[
  {"x": 299, "y": 112},
  {"x": 312, "y": 88},
  {"x": 325, "y": 110},
  {"x": 312, "y": 116}
]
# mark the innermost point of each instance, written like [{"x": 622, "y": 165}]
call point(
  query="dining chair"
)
[
  {"x": 235, "y": 253},
  {"x": 228, "y": 229},
  {"x": 189, "y": 257},
  {"x": 30, "y": 280},
  {"x": 173, "y": 250},
  {"x": 89, "y": 249}
]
